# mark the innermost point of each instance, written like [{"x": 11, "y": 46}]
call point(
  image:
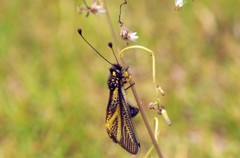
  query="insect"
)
[{"x": 119, "y": 112}]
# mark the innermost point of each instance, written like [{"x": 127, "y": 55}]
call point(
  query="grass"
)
[{"x": 53, "y": 91}]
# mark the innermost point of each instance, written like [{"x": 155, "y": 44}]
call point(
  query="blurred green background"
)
[{"x": 53, "y": 90}]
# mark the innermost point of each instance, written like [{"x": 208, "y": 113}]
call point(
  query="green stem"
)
[{"x": 152, "y": 55}]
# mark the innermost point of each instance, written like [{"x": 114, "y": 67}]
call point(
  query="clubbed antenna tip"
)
[
  {"x": 110, "y": 44},
  {"x": 80, "y": 31}
]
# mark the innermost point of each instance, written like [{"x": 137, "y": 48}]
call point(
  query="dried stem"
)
[
  {"x": 111, "y": 27},
  {"x": 120, "y": 13},
  {"x": 159, "y": 90},
  {"x": 156, "y": 133},
  {"x": 85, "y": 4},
  {"x": 134, "y": 90}
]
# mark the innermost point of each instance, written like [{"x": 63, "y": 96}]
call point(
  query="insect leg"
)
[{"x": 129, "y": 86}]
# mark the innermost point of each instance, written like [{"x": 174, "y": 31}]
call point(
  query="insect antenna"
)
[
  {"x": 80, "y": 33},
  {"x": 110, "y": 45}
]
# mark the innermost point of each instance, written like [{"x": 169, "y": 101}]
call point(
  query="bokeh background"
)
[{"x": 53, "y": 90}]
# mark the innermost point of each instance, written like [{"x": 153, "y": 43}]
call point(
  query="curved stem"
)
[
  {"x": 148, "y": 50},
  {"x": 120, "y": 12}
]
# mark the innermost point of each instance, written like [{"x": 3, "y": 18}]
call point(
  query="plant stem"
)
[
  {"x": 111, "y": 27},
  {"x": 131, "y": 82},
  {"x": 146, "y": 121}
]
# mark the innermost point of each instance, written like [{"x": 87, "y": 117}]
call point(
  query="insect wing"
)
[
  {"x": 119, "y": 125},
  {"x": 113, "y": 119},
  {"x": 128, "y": 140}
]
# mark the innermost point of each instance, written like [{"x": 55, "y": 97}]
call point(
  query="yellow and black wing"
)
[{"x": 119, "y": 125}]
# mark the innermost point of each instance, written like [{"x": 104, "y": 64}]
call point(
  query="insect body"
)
[
  {"x": 119, "y": 112},
  {"x": 119, "y": 125}
]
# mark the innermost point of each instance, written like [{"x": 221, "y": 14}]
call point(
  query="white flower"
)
[
  {"x": 95, "y": 9},
  {"x": 133, "y": 36},
  {"x": 127, "y": 36},
  {"x": 179, "y": 3}
]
